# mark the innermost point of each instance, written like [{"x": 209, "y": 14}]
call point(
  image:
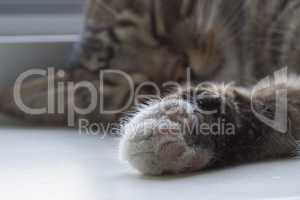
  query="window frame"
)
[
  {"x": 40, "y": 6},
  {"x": 57, "y": 17}
]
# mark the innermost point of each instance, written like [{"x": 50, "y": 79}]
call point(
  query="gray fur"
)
[
  {"x": 168, "y": 138},
  {"x": 240, "y": 40}
]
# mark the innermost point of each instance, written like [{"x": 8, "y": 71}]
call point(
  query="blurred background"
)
[
  {"x": 46, "y": 17},
  {"x": 36, "y": 34},
  {"x": 59, "y": 164}
]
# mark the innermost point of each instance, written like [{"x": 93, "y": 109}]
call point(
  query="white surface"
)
[{"x": 63, "y": 165}]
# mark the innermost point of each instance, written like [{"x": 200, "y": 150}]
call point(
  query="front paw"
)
[{"x": 154, "y": 140}]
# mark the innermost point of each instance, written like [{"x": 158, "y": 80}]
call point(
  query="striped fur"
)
[
  {"x": 223, "y": 40},
  {"x": 240, "y": 40},
  {"x": 165, "y": 138}
]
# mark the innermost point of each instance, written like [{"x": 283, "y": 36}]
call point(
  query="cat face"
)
[{"x": 161, "y": 39}]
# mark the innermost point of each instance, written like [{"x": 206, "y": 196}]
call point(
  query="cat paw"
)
[{"x": 153, "y": 141}]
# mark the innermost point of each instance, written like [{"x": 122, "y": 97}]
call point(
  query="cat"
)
[
  {"x": 233, "y": 40},
  {"x": 212, "y": 125},
  {"x": 158, "y": 41}
]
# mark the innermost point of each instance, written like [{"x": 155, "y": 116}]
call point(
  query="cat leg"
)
[{"x": 63, "y": 97}]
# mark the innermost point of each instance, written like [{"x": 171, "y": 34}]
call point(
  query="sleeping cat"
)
[{"x": 158, "y": 40}]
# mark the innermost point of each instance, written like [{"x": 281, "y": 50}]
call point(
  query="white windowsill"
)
[
  {"x": 29, "y": 39},
  {"x": 64, "y": 165}
]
